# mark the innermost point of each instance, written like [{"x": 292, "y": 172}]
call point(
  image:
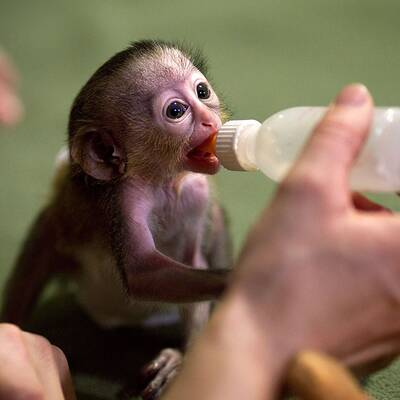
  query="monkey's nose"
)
[
  {"x": 210, "y": 124},
  {"x": 208, "y": 120}
]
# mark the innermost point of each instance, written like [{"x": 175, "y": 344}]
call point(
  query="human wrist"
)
[
  {"x": 263, "y": 349},
  {"x": 235, "y": 357}
]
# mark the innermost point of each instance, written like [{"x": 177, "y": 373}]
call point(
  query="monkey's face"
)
[
  {"x": 188, "y": 112},
  {"x": 145, "y": 115}
]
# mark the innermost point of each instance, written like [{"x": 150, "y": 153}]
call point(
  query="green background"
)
[{"x": 264, "y": 56}]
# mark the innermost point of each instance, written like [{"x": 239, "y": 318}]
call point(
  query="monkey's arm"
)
[
  {"x": 154, "y": 276},
  {"x": 151, "y": 275},
  {"x": 35, "y": 263}
]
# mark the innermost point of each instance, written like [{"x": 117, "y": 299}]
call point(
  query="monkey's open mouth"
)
[
  {"x": 205, "y": 149},
  {"x": 198, "y": 153},
  {"x": 202, "y": 158}
]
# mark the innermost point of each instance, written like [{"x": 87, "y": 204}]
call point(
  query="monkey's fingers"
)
[
  {"x": 314, "y": 376},
  {"x": 163, "y": 369},
  {"x": 151, "y": 369}
]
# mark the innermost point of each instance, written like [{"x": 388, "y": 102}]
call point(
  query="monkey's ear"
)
[{"x": 98, "y": 155}]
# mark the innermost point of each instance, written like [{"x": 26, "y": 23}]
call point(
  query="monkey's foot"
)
[{"x": 161, "y": 371}]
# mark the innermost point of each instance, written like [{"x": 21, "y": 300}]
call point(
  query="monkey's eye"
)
[
  {"x": 203, "y": 91},
  {"x": 176, "y": 110}
]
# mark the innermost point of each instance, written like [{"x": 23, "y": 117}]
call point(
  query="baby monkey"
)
[{"x": 132, "y": 218}]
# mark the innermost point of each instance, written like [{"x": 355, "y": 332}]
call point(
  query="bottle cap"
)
[{"x": 227, "y": 144}]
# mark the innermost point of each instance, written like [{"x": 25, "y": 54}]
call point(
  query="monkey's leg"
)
[
  {"x": 35, "y": 263},
  {"x": 153, "y": 276},
  {"x": 167, "y": 364}
]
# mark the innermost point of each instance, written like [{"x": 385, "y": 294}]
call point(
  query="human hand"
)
[
  {"x": 32, "y": 368},
  {"x": 320, "y": 271},
  {"x": 10, "y": 105},
  {"x": 321, "y": 268}
]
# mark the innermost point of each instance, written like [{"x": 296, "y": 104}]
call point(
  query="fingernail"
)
[{"x": 352, "y": 95}]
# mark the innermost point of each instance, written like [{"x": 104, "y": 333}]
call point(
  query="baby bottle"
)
[{"x": 273, "y": 146}]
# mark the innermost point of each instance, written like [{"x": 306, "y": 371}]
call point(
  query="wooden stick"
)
[{"x": 314, "y": 376}]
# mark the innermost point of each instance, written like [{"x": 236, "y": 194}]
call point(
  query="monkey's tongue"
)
[{"x": 205, "y": 150}]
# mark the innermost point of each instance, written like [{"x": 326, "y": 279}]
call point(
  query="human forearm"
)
[
  {"x": 306, "y": 278},
  {"x": 234, "y": 358}
]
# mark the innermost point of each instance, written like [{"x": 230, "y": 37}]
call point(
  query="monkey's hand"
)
[{"x": 160, "y": 372}]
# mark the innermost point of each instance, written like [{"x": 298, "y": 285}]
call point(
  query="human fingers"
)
[
  {"x": 18, "y": 377},
  {"x": 32, "y": 367},
  {"x": 8, "y": 72},
  {"x": 51, "y": 367},
  {"x": 338, "y": 138},
  {"x": 373, "y": 357},
  {"x": 10, "y": 105},
  {"x": 64, "y": 373}
]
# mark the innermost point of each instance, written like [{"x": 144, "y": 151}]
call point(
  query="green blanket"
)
[
  {"x": 385, "y": 384},
  {"x": 265, "y": 55}
]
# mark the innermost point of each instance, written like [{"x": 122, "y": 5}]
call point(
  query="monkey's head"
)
[{"x": 145, "y": 113}]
